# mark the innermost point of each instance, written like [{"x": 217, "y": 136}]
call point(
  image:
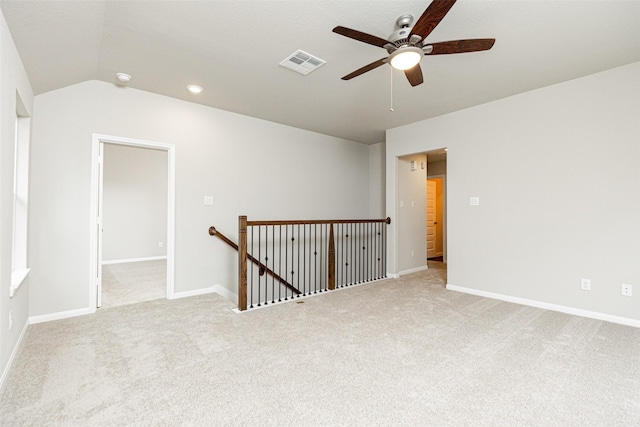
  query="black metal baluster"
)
[
  {"x": 266, "y": 255},
  {"x": 265, "y": 301},
  {"x": 251, "y": 270},
  {"x": 259, "y": 257},
  {"x": 378, "y": 246},
  {"x": 286, "y": 260},
  {"x": 273, "y": 266},
  {"x": 340, "y": 254},
  {"x": 354, "y": 248},
  {"x": 369, "y": 251},
  {"x": 299, "y": 258},
  {"x": 293, "y": 262},
  {"x": 323, "y": 258},
  {"x": 361, "y": 253},
  {"x": 315, "y": 258},
  {"x": 356, "y": 252},
  {"x": 347, "y": 251},
  {"x": 350, "y": 245},
  {"x": 280, "y": 262},
  {"x": 366, "y": 252},
  {"x": 313, "y": 231}
]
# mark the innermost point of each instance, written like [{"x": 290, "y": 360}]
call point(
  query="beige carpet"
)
[
  {"x": 396, "y": 352},
  {"x": 133, "y": 282}
]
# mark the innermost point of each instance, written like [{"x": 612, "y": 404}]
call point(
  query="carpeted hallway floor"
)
[
  {"x": 395, "y": 352},
  {"x": 133, "y": 282}
]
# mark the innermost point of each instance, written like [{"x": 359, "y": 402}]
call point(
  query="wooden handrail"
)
[
  {"x": 321, "y": 221},
  {"x": 263, "y": 268}
]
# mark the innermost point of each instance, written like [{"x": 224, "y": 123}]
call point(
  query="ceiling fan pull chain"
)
[{"x": 391, "y": 86}]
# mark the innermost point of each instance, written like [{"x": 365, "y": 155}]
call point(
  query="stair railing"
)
[
  {"x": 307, "y": 257},
  {"x": 262, "y": 268}
]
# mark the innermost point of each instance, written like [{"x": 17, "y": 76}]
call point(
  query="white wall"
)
[
  {"x": 411, "y": 214},
  {"x": 251, "y": 167},
  {"x": 556, "y": 170},
  {"x": 12, "y": 79},
  {"x": 135, "y": 203},
  {"x": 376, "y": 181}
]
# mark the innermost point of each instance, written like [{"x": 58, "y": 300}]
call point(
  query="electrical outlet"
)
[
  {"x": 413, "y": 254},
  {"x": 585, "y": 284},
  {"x": 160, "y": 244},
  {"x": 626, "y": 290}
]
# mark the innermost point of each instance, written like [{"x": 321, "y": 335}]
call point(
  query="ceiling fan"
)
[{"x": 406, "y": 46}]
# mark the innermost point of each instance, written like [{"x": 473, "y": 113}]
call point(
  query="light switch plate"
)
[
  {"x": 474, "y": 201},
  {"x": 208, "y": 200}
]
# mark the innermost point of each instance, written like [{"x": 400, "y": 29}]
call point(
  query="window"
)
[{"x": 19, "y": 269}]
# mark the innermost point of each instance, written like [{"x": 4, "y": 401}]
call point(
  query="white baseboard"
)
[
  {"x": 393, "y": 276},
  {"x": 548, "y": 306},
  {"x": 60, "y": 315},
  {"x": 413, "y": 270},
  {"x": 225, "y": 293},
  {"x": 7, "y": 368},
  {"x": 192, "y": 293},
  {"x": 123, "y": 261}
]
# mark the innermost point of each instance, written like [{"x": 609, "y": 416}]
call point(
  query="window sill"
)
[{"x": 17, "y": 277}]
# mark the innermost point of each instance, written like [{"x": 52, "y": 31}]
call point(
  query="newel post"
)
[
  {"x": 332, "y": 260},
  {"x": 242, "y": 263}
]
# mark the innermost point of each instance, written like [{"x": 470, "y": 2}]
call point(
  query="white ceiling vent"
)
[{"x": 302, "y": 62}]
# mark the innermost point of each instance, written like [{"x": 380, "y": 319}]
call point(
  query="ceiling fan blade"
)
[
  {"x": 461, "y": 46},
  {"x": 366, "y": 68},
  {"x": 431, "y": 17},
  {"x": 414, "y": 75},
  {"x": 360, "y": 36}
]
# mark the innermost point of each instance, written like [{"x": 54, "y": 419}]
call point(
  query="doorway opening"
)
[
  {"x": 132, "y": 220},
  {"x": 436, "y": 206}
]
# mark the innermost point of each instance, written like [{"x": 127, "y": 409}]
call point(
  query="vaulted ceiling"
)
[{"x": 232, "y": 49}]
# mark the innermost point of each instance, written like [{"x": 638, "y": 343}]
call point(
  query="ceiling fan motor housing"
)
[{"x": 400, "y": 38}]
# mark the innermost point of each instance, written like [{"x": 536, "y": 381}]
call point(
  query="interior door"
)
[
  {"x": 431, "y": 218},
  {"x": 439, "y": 229}
]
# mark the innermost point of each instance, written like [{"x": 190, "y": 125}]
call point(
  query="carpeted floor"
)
[
  {"x": 396, "y": 352},
  {"x": 133, "y": 282}
]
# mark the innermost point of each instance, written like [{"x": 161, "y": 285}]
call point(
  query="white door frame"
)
[{"x": 95, "y": 263}]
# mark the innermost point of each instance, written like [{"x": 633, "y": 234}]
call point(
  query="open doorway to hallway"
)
[
  {"x": 134, "y": 224},
  {"x": 436, "y": 207},
  {"x": 132, "y": 221}
]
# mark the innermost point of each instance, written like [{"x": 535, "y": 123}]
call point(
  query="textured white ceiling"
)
[{"x": 233, "y": 48}]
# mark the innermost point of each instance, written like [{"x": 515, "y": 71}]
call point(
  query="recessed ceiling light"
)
[
  {"x": 124, "y": 78},
  {"x": 194, "y": 89}
]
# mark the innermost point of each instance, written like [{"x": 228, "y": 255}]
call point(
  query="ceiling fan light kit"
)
[
  {"x": 405, "y": 57},
  {"x": 406, "y": 45}
]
